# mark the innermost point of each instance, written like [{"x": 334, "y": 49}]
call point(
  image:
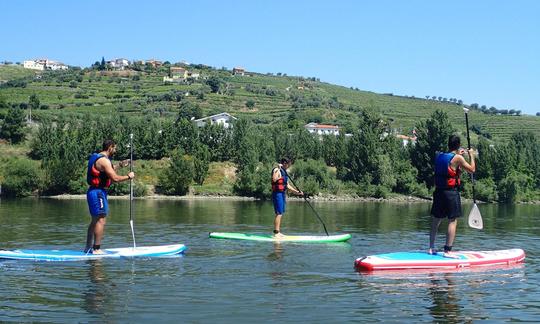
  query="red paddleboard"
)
[{"x": 423, "y": 260}]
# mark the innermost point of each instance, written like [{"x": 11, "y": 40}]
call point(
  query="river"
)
[{"x": 238, "y": 281}]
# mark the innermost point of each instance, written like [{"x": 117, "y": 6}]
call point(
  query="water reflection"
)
[
  {"x": 445, "y": 300},
  {"x": 98, "y": 290}
]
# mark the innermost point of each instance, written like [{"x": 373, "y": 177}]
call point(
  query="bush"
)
[
  {"x": 254, "y": 181},
  {"x": 175, "y": 179},
  {"x": 21, "y": 178},
  {"x": 515, "y": 187}
]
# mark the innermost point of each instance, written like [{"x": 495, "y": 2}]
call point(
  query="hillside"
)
[{"x": 266, "y": 99}]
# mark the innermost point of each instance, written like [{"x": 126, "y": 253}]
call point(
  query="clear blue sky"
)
[{"x": 480, "y": 51}]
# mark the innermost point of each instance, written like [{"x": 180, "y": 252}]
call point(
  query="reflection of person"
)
[
  {"x": 445, "y": 301},
  {"x": 95, "y": 297},
  {"x": 446, "y": 198},
  {"x": 99, "y": 176},
  {"x": 280, "y": 185}
]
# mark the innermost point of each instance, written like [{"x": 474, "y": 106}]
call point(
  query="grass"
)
[{"x": 109, "y": 94}]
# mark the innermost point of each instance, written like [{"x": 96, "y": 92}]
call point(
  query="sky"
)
[{"x": 485, "y": 52}]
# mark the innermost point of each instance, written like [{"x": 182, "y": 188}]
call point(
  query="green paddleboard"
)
[{"x": 286, "y": 238}]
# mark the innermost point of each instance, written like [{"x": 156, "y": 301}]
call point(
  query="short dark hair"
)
[
  {"x": 108, "y": 143},
  {"x": 454, "y": 142},
  {"x": 285, "y": 160}
]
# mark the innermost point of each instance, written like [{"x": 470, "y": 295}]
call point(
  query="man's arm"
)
[
  {"x": 293, "y": 189},
  {"x": 276, "y": 175},
  {"x": 106, "y": 166},
  {"x": 469, "y": 167}
]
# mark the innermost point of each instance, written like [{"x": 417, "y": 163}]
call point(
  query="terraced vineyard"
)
[{"x": 130, "y": 93}]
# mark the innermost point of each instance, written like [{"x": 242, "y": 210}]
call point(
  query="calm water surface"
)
[{"x": 236, "y": 281}]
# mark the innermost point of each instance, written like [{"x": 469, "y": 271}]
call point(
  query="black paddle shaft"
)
[
  {"x": 309, "y": 204},
  {"x": 469, "y": 144}
]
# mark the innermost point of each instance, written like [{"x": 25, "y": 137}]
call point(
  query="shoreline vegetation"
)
[{"x": 384, "y": 145}]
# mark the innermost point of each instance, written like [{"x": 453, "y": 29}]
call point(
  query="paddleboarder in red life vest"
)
[
  {"x": 446, "y": 198},
  {"x": 100, "y": 176},
  {"x": 280, "y": 185}
]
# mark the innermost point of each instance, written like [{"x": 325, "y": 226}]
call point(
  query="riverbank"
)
[{"x": 394, "y": 199}]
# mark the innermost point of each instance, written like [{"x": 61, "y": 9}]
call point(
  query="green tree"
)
[
  {"x": 13, "y": 125},
  {"x": 175, "y": 179},
  {"x": 432, "y": 136},
  {"x": 215, "y": 83},
  {"x": 201, "y": 163},
  {"x": 33, "y": 102},
  {"x": 21, "y": 178},
  {"x": 189, "y": 110}
]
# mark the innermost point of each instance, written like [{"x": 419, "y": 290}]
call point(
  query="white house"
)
[
  {"x": 118, "y": 63},
  {"x": 321, "y": 129},
  {"x": 44, "y": 64},
  {"x": 220, "y": 119}
]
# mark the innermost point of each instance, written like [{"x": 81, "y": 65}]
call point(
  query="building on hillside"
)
[
  {"x": 224, "y": 119},
  {"x": 178, "y": 72},
  {"x": 406, "y": 140},
  {"x": 118, "y": 63},
  {"x": 238, "y": 71},
  {"x": 44, "y": 64},
  {"x": 179, "y": 75},
  {"x": 321, "y": 129},
  {"x": 154, "y": 63}
]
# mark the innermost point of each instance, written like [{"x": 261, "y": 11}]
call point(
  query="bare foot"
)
[
  {"x": 98, "y": 252},
  {"x": 450, "y": 255}
]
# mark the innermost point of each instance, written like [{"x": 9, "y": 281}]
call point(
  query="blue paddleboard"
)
[{"x": 70, "y": 255}]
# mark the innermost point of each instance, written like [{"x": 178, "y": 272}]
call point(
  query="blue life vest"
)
[{"x": 445, "y": 176}]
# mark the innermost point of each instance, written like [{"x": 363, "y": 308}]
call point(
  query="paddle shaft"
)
[
  {"x": 469, "y": 144},
  {"x": 131, "y": 189},
  {"x": 309, "y": 204}
]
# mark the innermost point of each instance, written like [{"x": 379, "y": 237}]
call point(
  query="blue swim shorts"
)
[
  {"x": 278, "y": 198},
  {"x": 97, "y": 202}
]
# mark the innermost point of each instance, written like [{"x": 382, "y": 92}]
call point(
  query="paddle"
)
[
  {"x": 309, "y": 204},
  {"x": 475, "y": 218},
  {"x": 131, "y": 189}
]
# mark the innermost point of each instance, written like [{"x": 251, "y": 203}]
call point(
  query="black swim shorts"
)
[{"x": 446, "y": 203}]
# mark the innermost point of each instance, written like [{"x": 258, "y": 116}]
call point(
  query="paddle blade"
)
[{"x": 475, "y": 218}]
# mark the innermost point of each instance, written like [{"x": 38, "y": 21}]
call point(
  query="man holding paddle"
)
[
  {"x": 446, "y": 198},
  {"x": 99, "y": 176},
  {"x": 280, "y": 184}
]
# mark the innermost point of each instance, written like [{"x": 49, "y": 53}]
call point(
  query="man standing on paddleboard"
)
[
  {"x": 280, "y": 185},
  {"x": 99, "y": 176},
  {"x": 446, "y": 197}
]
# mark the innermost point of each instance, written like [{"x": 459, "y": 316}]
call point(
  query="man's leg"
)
[
  {"x": 99, "y": 229},
  {"x": 435, "y": 222},
  {"x": 277, "y": 223},
  {"x": 451, "y": 233},
  {"x": 90, "y": 235}
]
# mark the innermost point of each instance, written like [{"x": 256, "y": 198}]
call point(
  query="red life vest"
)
[
  {"x": 94, "y": 177},
  {"x": 281, "y": 184}
]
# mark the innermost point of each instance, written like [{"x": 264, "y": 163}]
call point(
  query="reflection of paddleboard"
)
[
  {"x": 285, "y": 238},
  {"x": 423, "y": 260},
  {"x": 69, "y": 255}
]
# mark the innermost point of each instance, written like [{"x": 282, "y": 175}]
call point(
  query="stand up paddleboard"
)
[
  {"x": 69, "y": 255},
  {"x": 423, "y": 260},
  {"x": 286, "y": 238}
]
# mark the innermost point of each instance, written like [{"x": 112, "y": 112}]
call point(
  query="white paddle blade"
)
[{"x": 475, "y": 218}]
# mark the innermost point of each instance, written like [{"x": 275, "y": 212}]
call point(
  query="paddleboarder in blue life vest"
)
[
  {"x": 446, "y": 197},
  {"x": 100, "y": 175},
  {"x": 280, "y": 185}
]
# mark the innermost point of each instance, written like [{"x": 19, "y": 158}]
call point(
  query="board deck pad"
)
[
  {"x": 71, "y": 255},
  {"x": 423, "y": 260},
  {"x": 286, "y": 238}
]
